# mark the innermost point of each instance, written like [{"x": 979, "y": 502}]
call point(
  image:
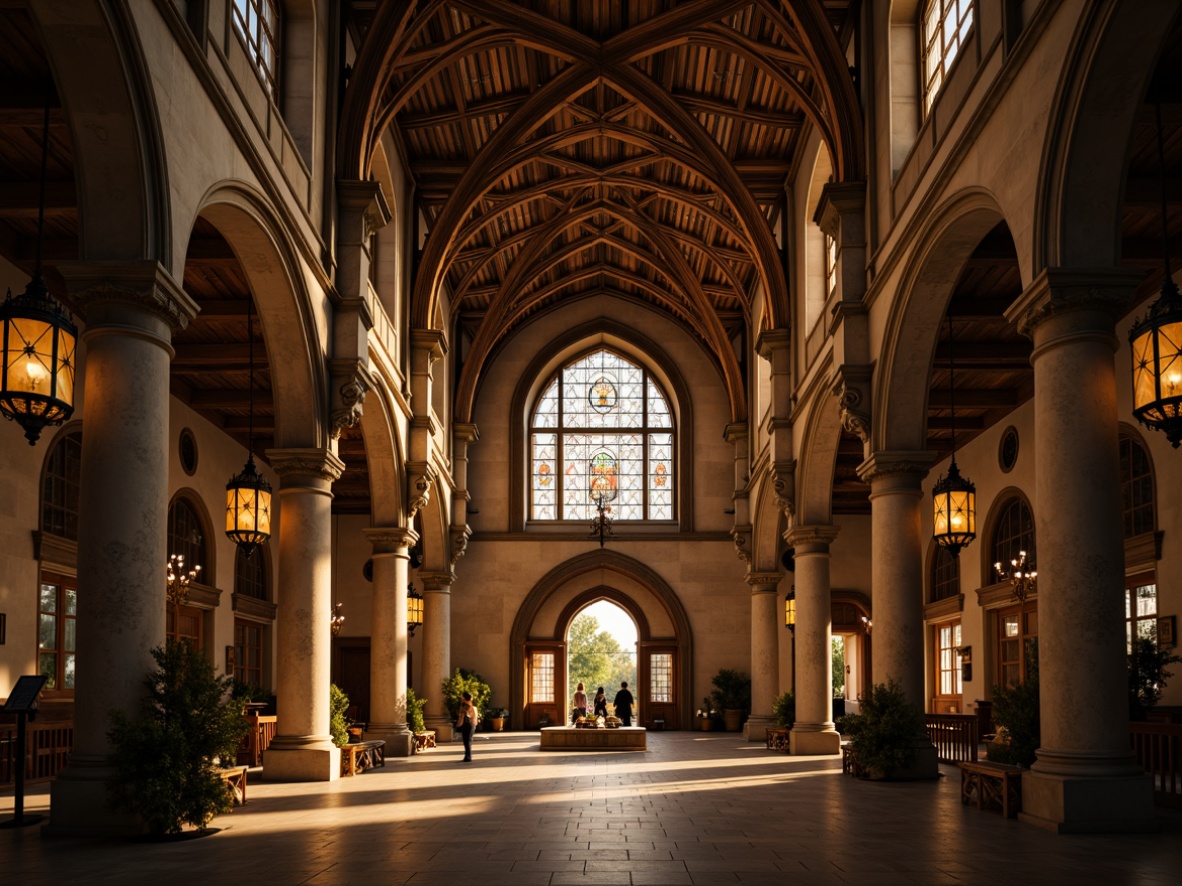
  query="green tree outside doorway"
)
[{"x": 595, "y": 658}]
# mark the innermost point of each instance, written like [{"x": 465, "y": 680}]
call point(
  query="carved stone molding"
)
[
  {"x": 350, "y": 385},
  {"x": 437, "y": 582},
  {"x": 144, "y": 285},
  {"x": 742, "y": 539},
  {"x": 390, "y": 539},
  {"x": 1059, "y": 291},
  {"x": 945, "y": 608},
  {"x": 419, "y": 482},
  {"x": 784, "y": 488},
  {"x": 319, "y": 463},
  {"x": 458, "y": 536},
  {"x": 852, "y": 389},
  {"x": 811, "y": 539},
  {"x": 253, "y": 607},
  {"x": 366, "y": 201},
  {"x": 910, "y": 466},
  {"x": 764, "y": 582}
]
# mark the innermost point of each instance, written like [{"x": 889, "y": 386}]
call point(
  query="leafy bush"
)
[
  {"x": 884, "y": 734},
  {"x": 338, "y": 724},
  {"x": 1016, "y": 716},
  {"x": 732, "y": 690},
  {"x": 166, "y": 759},
  {"x": 414, "y": 712},
  {"x": 1147, "y": 675},
  {"x": 785, "y": 710},
  {"x": 463, "y": 681}
]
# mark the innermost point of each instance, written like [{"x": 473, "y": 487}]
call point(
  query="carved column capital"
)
[
  {"x": 437, "y": 582},
  {"x": 101, "y": 288},
  {"x": 395, "y": 540},
  {"x": 1058, "y": 291},
  {"x": 315, "y": 464},
  {"x": 903, "y": 468},
  {"x": 764, "y": 582},
  {"x": 811, "y": 539}
]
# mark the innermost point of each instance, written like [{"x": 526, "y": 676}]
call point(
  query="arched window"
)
[
  {"x": 59, "y": 488},
  {"x": 250, "y": 574},
  {"x": 257, "y": 23},
  {"x": 601, "y": 428},
  {"x": 186, "y": 536},
  {"x": 1012, "y": 533},
  {"x": 946, "y": 25},
  {"x": 1136, "y": 487},
  {"x": 945, "y": 574}
]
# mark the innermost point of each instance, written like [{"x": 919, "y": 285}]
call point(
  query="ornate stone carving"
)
[
  {"x": 350, "y": 397},
  {"x": 914, "y": 465},
  {"x": 783, "y": 488},
  {"x": 390, "y": 539},
  {"x": 742, "y": 538},
  {"x": 143, "y": 284},
  {"x": 855, "y": 417},
  {"x": 318, "y": 463},
  {"x": 458, "y": 536},
  {"x": 764, "y": 582},
  {"x": 420, "y": 490}
]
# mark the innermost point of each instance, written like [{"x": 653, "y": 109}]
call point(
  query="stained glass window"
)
[{"x": 602, "y": 428}]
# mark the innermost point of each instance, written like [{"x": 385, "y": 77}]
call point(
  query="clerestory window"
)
[
  {"x": 602, "y": 431},
  {"x": 946, "y": 27},
  {"x": 257, "y": 23}
]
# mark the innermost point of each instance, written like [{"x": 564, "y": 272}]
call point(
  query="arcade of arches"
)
[{"x": 467, "y": 276}]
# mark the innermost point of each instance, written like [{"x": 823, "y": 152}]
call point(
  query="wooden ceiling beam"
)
[
  {"x": 216, "y": 398},
  {"x": 20, "y": 199},
  {"x": 973, "y": 398},
  {"x": 1014, "y": 353},
  {"x": 502, "y": 104}
]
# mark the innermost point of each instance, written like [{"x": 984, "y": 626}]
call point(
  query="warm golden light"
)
[
  {"x": 248, "y": 508},
  {"x": 37, "y": 364},
  {"x": 954, "y": 511}
]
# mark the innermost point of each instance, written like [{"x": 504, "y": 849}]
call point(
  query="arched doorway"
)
[
  {"x": 664, "y": 646},
  {"x": 601, "y": 652}
]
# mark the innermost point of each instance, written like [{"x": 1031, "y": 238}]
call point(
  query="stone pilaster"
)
[
  {"x": 131, "y": 312},
  {"x": 388, "y": 638},
  {"x": 1085, "y": 778},
  {"x": 813, "y": 732},
  {"x": 303, "y": 749},
  {"x": 437, "y": 649},
  {"x": 765, "y": 652}
]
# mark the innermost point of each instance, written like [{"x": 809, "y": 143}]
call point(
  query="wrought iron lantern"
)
[
  {"x": 954, "y": 498},
  {"x": 178, "y": 579},
  {"x": 1023, "y": 581},
  {"x": 1156, "y": 341},
  {"x": 414, "y": 608},
  {"x": 790, "y": 610},
  {"x": 38, "y": 342},
  {"x": 248, "y": 494}
]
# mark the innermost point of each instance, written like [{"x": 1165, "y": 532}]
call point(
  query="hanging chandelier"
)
[
  {"x": 954, "y": 505},
  {"x": 177, "y": 579},
  {"x": 601, "y": 524},
  {"x": 414, "y": 608},
  {"x": 248, "y": 494},
  {"x": 1023, "y": 581},
  {"x": 1156, "y": 340},
  {"x": 38, "y": 341},
  {"x": 336, "y": 620}
]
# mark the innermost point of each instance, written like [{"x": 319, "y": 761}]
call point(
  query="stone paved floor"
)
[{"x": 693, "y": 809}]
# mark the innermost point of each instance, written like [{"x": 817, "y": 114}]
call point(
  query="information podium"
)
[{"x": 22, "y": 701}]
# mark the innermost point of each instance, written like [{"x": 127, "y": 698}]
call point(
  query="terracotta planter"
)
[
  {"x": 496, "y": 724},
  {"x": 733, "y": 720},
  {"x": 706, "y": 724}
]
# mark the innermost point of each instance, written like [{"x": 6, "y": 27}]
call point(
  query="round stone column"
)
[
  {"x": 388, "y": 639},
  {"x": 813, "y": 732},
  {"x": 437, "y": 649},
  {"x": 896, "y": 557},
  {"x": 131, "y": 312},
  {"x": 1085, "y": 778},
  {"x": 765, "y": 652},
  {"x": 302, "y": 749}
]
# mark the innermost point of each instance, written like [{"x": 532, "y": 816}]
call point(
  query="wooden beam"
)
[
  {"x": 222, "y": 357},
  {"x": 230, "y": 399},
  {"x": 20, "y": 199},
  {"x": 973, "y": 398}
]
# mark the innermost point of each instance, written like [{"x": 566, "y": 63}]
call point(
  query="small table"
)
[
  {"x": 361, "y": 755},
  {"x": 992, "y": 784}
]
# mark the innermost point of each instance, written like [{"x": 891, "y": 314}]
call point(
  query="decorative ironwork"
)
[
  {"x": 954, "y": 498},
  {"x": 1023, "y": 581},
  {"x": 601, "y": 525},
  {"x": 248, "y": 494},
  {"x": 414, "y": 609}
]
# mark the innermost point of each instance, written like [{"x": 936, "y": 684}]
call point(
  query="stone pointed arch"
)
[
  {"x": 604, "y": 564},
  {"x": 100, "y": 73},
  {"x": 269, "y": 261},
  {"x": 768, "y": 524},
  {"x": 384, "y": 458},
  {"x": 952, "y": 232},
  {"x": 817, "y": 460},
  {"x": 1077, "y": 219}
]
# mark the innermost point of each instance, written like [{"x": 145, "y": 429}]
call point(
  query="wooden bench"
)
[
  {"x": 361, "y": 755},
  {"x": 424, "y": 740},
  {"x": 235, "y": 779},
  {"x": 849, "y": 761},
  {"x": 777, "y": 739},
  {"x": 992, "y": 785}
]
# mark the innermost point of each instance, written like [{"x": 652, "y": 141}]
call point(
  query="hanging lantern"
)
[
  {"x": 37, "y": 375},
  {"x": 954, "y": 511},
  {"x": 790, "y": 610},
  {"x": 1157, "y": 339},
  {"x": 336, "y": 619},
  {"x": 414, "y": 608},
  {"x": 248, "y": 508}
]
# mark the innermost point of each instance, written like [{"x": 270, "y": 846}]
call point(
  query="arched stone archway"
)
[{"x": 545, "y": 615}]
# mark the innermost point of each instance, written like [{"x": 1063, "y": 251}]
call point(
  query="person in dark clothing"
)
[
  {"x": 600, "y": 703},
  {"x": 623, "y": 704},
  {"x": 466, "y": 723}
]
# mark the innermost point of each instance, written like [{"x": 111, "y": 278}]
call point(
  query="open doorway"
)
[{"x": 601, "y": 651}]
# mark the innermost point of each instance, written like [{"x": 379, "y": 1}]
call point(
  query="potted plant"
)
[
  {"x": 464, "y": 680},
  {"x": 1147, "y": 675},
  {"x": 415, "y": 707},
  {"x": 167, "y": 759},
  {"x": 338, "y": 723},
  {"x": 886, "y": 733},
  {"x": 706, "y": 716},
  {"x": 495, "y": 718},
  {"x": 784, "y": 710},
  {"x": 1016, "y": 718},
  {"x": 732, "y": 694}
]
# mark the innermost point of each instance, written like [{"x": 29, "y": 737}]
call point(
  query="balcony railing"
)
[
  {"x": 1158, "y": 748},
  {"x": 954, "y": 735}
]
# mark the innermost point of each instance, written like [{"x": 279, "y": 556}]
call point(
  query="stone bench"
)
[
  {"x": 992, "y": 785},
  {"x": 568, "y": 738}
]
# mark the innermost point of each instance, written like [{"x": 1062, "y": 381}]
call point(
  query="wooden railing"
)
[
  {"x": 954, "y": 735},
  {"x": 257, "y": 739},
  {"x": 46, "y": 748},
  {"x": 1158, "y": 747}
]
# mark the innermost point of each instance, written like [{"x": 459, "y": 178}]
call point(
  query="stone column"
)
[
  {"x": 765, "y": 652},
  {"x": 437, "y": 649},
  {"x": 131, "y": 312},
  {"x": 303, "y": 749},
  {"x": 813, "y": 732},
  {"x": 1085, "y": 778},
  {"x": 896, "y": 556},
  {"x": 388, "y": 638}
]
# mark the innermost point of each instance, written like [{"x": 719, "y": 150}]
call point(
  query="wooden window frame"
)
[
  {"x": 63, "y": 583},
  {"x": 939, "y": 49},
  {"x": 258, "y": 24}
]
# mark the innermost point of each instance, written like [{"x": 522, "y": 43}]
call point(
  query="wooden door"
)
[
  {"x": 352, "y": 674},
  {"x": 659, "y": 693},
  {"x": 545, "y": 684}
]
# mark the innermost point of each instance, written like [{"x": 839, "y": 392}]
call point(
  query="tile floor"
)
[{"x": 694, "y": 809}]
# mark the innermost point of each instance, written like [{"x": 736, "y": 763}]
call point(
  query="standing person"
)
[
  {"x": 600, "y": 703},
  {"x": 623, "y": 704},
  {"x": 580, "y": 702},
  {"x": 466, "y": 723}
]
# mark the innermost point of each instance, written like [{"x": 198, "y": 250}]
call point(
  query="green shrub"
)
[
  {"x": 885, "y": 733},
  {"x": 732, "y": 690},
  {"x": 785, "y": 710},
  {"x": 338, "y": 724},
  {"x": 414, "y": 712},
  {"x": 463, "y": 681},
  {"x": 166, "y": 759},
  {"x": 1147, "y": 675},
  {"x": 1016, "y": 717}
]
